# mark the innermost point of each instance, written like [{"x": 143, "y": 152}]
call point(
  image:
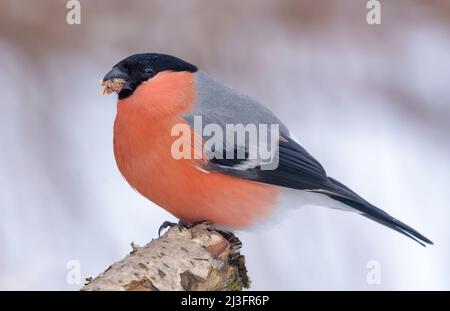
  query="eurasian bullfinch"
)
[{"x": 158, "y": 93}]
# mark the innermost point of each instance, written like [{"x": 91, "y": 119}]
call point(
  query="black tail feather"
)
[{"x": 343, "y": 194}]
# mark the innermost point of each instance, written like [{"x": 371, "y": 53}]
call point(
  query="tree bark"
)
[{"x": 199, "y": 258}]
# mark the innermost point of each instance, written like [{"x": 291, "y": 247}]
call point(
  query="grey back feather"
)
[{"x": 221, "y": 104}]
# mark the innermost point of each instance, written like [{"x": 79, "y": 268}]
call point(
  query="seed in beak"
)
[{"x": 110, "y": 86}]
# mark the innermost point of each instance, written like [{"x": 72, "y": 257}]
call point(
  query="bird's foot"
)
[
  {"x": 166, "y": 224},
  {"x": 180, "y": 224}
]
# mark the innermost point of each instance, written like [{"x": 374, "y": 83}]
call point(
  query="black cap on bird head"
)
[{"x": 130, "y": 72}]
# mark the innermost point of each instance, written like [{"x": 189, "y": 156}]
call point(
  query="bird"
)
[{"x": 158, "y": 93}]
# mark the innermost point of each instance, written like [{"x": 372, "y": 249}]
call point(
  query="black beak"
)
[{"x": 116, "y": 73}]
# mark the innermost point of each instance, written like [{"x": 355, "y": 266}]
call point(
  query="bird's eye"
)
[{"x": 148, "y": 71}]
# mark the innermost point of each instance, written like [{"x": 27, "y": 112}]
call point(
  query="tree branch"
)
[{"x": 199, "y": 258}]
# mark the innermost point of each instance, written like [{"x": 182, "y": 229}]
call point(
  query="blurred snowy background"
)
[{"x": 371, "y": 102}]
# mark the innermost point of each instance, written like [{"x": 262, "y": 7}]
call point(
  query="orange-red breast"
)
[{"x": 159, "y": 93}]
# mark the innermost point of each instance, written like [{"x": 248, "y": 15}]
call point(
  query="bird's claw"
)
[
  {"x": 164, "y": 225},
  {"x": 180, "y": 225}
]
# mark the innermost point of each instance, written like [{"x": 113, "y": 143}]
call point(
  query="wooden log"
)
[{"x": 198, "y": 258}]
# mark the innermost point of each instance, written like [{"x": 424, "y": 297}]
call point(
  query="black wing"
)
[{"x": 297, "y": 169}]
